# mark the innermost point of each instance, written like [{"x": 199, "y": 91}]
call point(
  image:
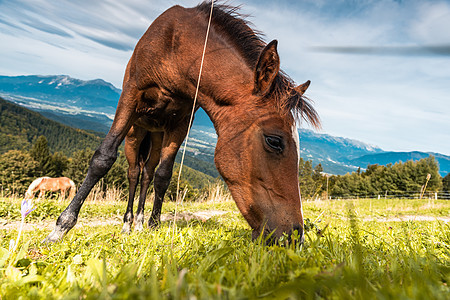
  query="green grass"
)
[
  {"x": 344, "y": 256},
  {"x": 374, "y": 208}
]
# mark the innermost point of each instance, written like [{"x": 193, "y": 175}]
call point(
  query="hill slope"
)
[{"x": 19, "y": 128}]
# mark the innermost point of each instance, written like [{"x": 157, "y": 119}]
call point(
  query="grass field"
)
[{"x": 354, "y": 249}]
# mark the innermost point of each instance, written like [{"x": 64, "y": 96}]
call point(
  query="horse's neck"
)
[{"x": 35, "y": 184}]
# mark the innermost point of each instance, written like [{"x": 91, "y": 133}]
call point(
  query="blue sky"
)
[{"x": 393, "y": 92}]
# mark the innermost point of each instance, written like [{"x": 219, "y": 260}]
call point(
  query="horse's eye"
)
[{"x": 274, "y": 142}]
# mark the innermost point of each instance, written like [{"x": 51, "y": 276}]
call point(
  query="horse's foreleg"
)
[
  {"x": 132, "y": 145},
  {"x": 147, "y": 176},
  {"x": 101, "y": 162},
  {"x": 171, "y": 143},
  {"x": 62, "y": 195}
]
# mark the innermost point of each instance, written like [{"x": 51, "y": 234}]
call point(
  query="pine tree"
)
[
  {"x": 17, "y": 170},
  {"x": 117, "y": 175},
  {"x": 57, "y": 165},
  {"x": 446, "y": 183},
  {"x": 41, "y": 153},
  {"x": 306, "y": 181},
  {"x": 78, "y": 165}
]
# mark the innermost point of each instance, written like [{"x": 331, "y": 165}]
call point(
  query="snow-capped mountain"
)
[
  {"x": 74, "y": 102},
  {"x": 334, "y": 153},
  {"x": 62, "y": 90}
]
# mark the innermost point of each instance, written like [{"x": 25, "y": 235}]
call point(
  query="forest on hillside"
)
[{"x": 21, "y": 127}]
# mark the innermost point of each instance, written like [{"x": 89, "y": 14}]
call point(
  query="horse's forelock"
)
[{"x": 290, "y": 101}]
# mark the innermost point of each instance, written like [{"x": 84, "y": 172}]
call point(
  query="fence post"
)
[{"x": 435, "y": 196}]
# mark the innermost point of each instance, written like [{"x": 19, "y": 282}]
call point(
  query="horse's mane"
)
[
  {"x": 250, "y": 44},
  {"x": 34, "y": 184}
]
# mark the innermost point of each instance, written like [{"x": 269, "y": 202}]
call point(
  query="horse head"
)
[{"x": 258, "y": 158}]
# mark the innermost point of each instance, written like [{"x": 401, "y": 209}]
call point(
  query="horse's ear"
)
[
  {"x": 267, "y": 68},
  {"x": 301, "y": 89}
]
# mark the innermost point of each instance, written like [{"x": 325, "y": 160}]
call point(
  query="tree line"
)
[
  {"x": 401, "y": 177},
  {"x": 18, "y": 168}
]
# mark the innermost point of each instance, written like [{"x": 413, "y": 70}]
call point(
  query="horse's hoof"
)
[
  {"x": 55, "y": 236},
  {"x": 153, "y": 224},
  {"x": 126, "y": 229},
  {"x": 138, "y": 227},
  {"x": 139, "y": 222}
]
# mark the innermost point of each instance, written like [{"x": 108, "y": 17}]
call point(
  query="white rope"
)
[
  {"x": 191, "y": 119},
  {"x": 195, "y": 98}
]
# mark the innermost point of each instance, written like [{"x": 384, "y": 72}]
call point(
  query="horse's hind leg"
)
[
  {"x": 171, "y": 143},
  {"x": 101, "y": 162},
  {"x": 133, "y": 141},
  {"x": 148, "y": 171}
]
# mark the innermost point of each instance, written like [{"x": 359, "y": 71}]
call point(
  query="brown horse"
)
[
  {"x": 44, "y": 184},
  {"x": 252, "y": 104}
]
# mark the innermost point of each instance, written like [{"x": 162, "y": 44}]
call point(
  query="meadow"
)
[{"x": 353, "y": 249}]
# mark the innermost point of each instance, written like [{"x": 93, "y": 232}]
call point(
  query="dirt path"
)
[{"x": 202, "y": 215}]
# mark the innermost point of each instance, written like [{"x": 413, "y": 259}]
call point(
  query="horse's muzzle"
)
[
  {"x": 295, "y": 235},
  {"x": 298, "y": 231}
]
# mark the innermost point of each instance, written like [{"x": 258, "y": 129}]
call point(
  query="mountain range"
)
[
  {"x": 83, "y": 104},
  {"x": 91, "y": 105}
]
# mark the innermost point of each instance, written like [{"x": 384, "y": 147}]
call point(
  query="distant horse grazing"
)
[
  {"x": 252, "y": 104},
  {"x": 44, "y": 184}
]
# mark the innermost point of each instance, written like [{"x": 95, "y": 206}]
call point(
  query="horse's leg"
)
[
  {"x": 171, "y": 143},
  {"x": 101, "y": 162},
  {"x": 133, "y": 142},
  {"x": 148, "y": 171},
  {"x": 63, "y": 195},
  {"x": 41, "y": 194}
]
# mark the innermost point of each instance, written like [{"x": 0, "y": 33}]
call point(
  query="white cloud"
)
[
  {"x": 432, "y": 24},
  {"x": 396, "y": 102}
]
